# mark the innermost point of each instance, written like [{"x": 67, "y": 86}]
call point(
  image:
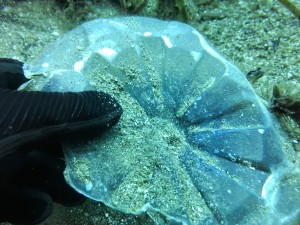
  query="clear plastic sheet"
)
[{"x": 195, "y": 145}]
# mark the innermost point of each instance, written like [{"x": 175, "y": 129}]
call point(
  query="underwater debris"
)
[{"x": 169, "y": 80}]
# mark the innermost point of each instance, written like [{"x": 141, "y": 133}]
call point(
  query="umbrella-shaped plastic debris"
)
[{"x": 195, "y": 145}]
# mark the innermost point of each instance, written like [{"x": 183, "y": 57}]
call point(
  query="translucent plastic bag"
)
[{"x": 195, "y": 145}]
